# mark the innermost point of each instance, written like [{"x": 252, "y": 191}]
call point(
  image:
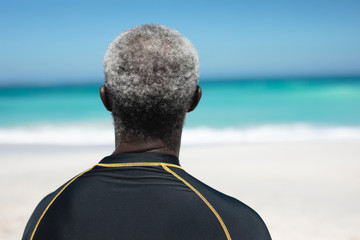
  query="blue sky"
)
[{"x": 64, "y": 41}]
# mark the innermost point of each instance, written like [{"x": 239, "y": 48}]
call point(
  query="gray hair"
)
[{"x": 151, "y": 74}]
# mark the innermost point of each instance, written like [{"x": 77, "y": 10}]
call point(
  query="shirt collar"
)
[{"x": 141, "y": 157}]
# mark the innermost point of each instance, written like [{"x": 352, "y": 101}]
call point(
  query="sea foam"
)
[{"x": 102, "y": 134}]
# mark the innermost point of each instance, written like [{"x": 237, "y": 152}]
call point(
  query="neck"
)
[{"x": 127, "y": 143}]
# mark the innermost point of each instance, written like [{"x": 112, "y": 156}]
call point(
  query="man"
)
[{"x": 140, "y": 191}]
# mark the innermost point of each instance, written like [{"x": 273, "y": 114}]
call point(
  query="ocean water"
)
[{"x": 230, "y": 111}]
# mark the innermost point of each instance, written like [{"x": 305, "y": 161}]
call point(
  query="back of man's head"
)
[{"x": 151, "y": 74}]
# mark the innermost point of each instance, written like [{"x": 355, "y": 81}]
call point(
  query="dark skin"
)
[{"x": 139, "y": 144}]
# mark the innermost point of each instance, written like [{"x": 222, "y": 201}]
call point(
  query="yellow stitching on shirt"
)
[
  {"x": 42, "y": 215},
  {"x": 202, "y": 198},
  {"x": 137, "y": 164}
]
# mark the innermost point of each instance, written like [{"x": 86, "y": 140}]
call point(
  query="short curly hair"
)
[{"x": 151, "y": 74}]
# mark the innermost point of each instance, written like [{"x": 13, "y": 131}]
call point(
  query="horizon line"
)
[{"x": 91, "y": 81}]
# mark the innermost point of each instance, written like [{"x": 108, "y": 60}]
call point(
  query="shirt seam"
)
[
  {"x": 53, "y": 200},
  {"x": 227, "y": 234},
  {"x": 137, "y": 164}
]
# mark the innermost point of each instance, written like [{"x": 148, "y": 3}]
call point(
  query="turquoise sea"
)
[{"x": 230, "y": 111}]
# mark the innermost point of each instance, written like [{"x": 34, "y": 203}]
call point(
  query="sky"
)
[{"x": 55, "y": 41}]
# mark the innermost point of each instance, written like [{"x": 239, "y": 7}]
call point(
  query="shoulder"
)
[
  {"x": 39, "y": 213},
  {"x": 36, "y": 215},
  {"x": 241, "y": 220}
]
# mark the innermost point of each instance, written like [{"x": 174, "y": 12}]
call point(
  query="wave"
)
[
  {"x": 102, "y": 134},
  {"x": 270, "y": 133}
]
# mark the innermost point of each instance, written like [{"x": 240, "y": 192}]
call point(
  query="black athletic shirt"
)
[{"x": 141, "y": 196}]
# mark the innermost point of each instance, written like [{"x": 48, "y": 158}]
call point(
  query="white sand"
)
[{"x": 302, "y": 190}]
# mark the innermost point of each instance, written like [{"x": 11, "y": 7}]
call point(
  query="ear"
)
[
  {"x": 104, "y": 98},
  {"x": 196, "y": 99}
]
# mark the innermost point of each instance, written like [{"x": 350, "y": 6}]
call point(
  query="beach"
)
[
  {"x": 301, "y": 189},
  {"x": 288, "y": 148}
]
